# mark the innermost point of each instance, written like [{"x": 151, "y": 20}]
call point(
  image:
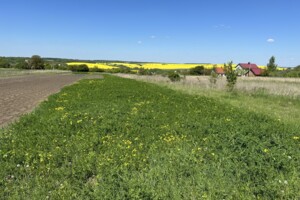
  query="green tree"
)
[
  {"x": 36, "y": 62},
  {"x": 271, "y": 66},
  {"x": 4, "y": 63},
  {"x": 231, "y": 75},
  {"x": 22, "y": 65},
  {"x": 198, "y": 70}
]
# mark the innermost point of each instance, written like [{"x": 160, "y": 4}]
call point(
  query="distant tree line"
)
[{"x": 36, "y": 62}]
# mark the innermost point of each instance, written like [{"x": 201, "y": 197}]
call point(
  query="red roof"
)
[
  {"x": 219, "y": 70},
  {"x": 256, "y": 71},
  {"x": 247, "y": 66},
  {"x": 253, "y": 67}
]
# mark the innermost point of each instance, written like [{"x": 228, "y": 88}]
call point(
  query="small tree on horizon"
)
[
  {"x": 271, "y": 66},
  {"x": 36, "y": 62}
]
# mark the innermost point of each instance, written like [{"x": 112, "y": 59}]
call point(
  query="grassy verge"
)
[
  {"x": 122, "y": 139},
  {"x": 9, "y": 72}
]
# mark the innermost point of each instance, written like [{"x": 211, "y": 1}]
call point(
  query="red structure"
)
[{"x": 251, "y": 68}]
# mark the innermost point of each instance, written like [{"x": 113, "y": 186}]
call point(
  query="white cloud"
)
[
  {"x": 140, "y": 42},
  {"x": 270, "y": 40}
]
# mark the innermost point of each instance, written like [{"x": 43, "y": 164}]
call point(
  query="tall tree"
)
[{"x": 271, "y": 66}]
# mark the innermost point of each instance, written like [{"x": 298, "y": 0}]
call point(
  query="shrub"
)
[
  {"x": 4, "y": 63},
  {"x": 174, "y": 76},
  {"x": 96, "y": 69},
  {"x": 213, "y": 78},
  {"x": 198, "y": 70},
  {"x": 231, "y": 76},
  {"x": 143, "y": 71},
  {"x": 22, "y": 65},
  {"x": 79, "y": 68}
]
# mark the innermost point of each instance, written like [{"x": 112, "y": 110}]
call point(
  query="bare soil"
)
[{"x": 19, "y": 95}]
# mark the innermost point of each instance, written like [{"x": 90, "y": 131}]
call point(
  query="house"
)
[
  {"x": 248, "y": 69},
  {"x": 220, "y": 71}
]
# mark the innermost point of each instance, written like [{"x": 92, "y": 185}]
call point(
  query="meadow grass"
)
[
  {"x": 276, "y": 97},
  {"x": 117, "y": 138}
]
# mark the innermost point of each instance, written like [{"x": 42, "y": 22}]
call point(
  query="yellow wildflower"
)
[{"x": 59, "y": 108}]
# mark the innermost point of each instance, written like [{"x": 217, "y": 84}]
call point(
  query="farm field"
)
[
  {"x": 162, "y": 66},
  {"x": 93, "y": 65},
  {"x": 117, "y": 138},
  {"x": 22, "y": 92}
]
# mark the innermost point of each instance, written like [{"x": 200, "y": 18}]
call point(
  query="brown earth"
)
[{"x": 19, "y": 95}]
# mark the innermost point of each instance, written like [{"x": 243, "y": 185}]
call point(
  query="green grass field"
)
[{"x": 117, "y": 138}]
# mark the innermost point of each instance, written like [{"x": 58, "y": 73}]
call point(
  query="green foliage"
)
[
  {"x": 79, "y": 68},
  {"x": 22, "y": 65},
  {"x": 291, "y": 72},
  {"x": 143, "y": 71},
  {"x": 213, "y": 78},
  {"x": 241, "y": 72},
  {"x": 116, "y": 138},
  {"x": 198, "y": 70},
  {"x": 271, "y": 66},
  {"x": 174, "y": 76},
  {"x": 96, "y": 69},
  {"x": 4, "y": 63},
  {"x": 231, "y": 76},
  {"x": 36, "y": 62},
  {"x": 123, "y": 69}
]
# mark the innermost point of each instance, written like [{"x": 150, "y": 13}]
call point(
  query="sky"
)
[{"x": 173, "y": 31}]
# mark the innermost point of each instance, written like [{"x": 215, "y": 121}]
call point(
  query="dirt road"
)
[{"x": 19, "y": 95}]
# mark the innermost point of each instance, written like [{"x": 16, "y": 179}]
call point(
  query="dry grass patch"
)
[
  {"x": 276, "y": 97},
  {"x": 273, "y": 86}
]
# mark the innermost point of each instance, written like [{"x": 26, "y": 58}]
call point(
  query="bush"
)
[
  {"x": 231, "y": 76},
  {"x": 79, "y": 68},
  {"x": 96, "y": 69},
  {"x": 22, "y": 65},
  {"x": 198, "y": 70},
  {"x": 174, "y": 76},
  {"x": 4, "y": 63},
  {"x": 213, "y": 78},
  {"x": 143, "y": 71}
]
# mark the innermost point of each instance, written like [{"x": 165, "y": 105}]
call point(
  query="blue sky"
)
[{"x": 195, "y": 31}]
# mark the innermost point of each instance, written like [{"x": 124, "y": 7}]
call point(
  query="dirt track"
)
[{"x": 19, "y": 95}]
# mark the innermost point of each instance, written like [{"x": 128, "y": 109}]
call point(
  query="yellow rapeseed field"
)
[
  {"x": 167, "y": 66},
  {"x": 163, "y": 66},
  {"x": 93, "y": 65}
]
